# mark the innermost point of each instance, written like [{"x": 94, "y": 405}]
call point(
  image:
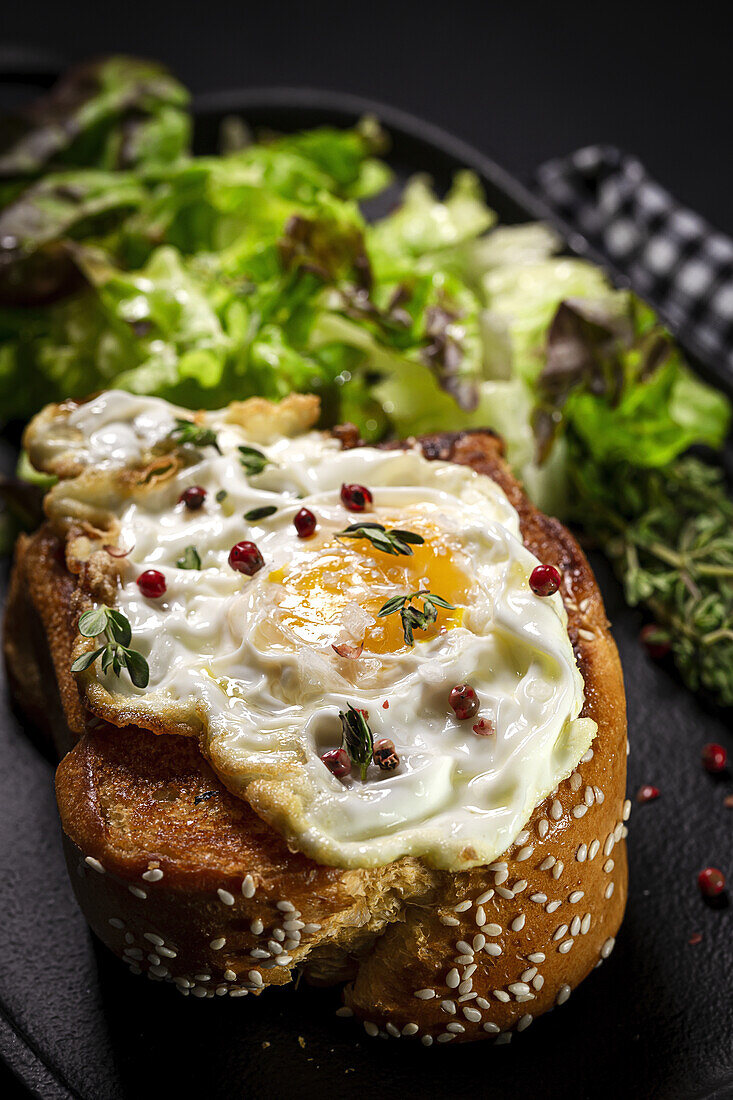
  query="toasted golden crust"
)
[{"x": 451, "y": 956}]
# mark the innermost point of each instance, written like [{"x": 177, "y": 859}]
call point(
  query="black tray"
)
[{"x": 655, "y": 1020}]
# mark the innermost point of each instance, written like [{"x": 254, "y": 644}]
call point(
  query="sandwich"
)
[{"x": 346, "y": 711}]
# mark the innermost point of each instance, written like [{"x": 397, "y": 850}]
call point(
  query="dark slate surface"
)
[{"x": 655, "y": 1020}]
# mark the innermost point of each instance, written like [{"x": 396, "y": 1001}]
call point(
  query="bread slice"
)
[{"x": 182, "y": 880}]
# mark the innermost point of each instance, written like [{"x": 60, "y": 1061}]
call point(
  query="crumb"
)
[
  {"x": 694, "y": 939},
  {"x": 301, "y": 1041},
  {"x": 265, "y": 1045}
]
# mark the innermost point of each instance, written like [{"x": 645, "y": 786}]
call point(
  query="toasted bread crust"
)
[{"x": 211, "y": 881}]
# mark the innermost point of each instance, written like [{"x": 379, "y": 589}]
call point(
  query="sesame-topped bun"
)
[{"x": 425, "y": 801}]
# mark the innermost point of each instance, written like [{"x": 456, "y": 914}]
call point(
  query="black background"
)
[{"x": 522, "y": 82}]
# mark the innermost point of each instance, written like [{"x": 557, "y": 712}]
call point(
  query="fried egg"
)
[{"x": 250, "y": 660}]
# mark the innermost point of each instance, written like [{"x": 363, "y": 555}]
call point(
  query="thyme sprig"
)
[
  {"x": 356, "y": 737},
  {"x": 115, "y": 653},
  {"x": 393, "y": 541},
  {"x": 412, "y": 618},
  {"x": 669, "y": 534},
  {"x": 185, "y": 431},
  {"x": 254, "y": 461}
]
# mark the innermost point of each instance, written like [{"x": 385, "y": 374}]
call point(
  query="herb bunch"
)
[
  {"x": 669, "y": 534},
  {"x": 185, "y": 431},
  {"x": 412, "y": 618},
  {"x": 116, "y": 652},
  {"x": 393, "y": 541}
]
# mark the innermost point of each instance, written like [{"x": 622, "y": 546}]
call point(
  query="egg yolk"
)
[{"x": 318, "y": 588}]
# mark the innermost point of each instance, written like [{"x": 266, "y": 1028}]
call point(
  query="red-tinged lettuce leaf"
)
[{"x": 118, "y": 112}]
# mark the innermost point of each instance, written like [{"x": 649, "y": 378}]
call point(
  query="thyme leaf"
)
[
  {"x": 356, "y": 737},
  {"x": 256, "y": 514},
  {"x": 412, "y": 618},
  {"x": 393, "y": 541},
  {"x": 186, "y": 431},
  {"x": 254, "y": 461},
  {"x": 115, "y": 653},
  {"x": 191, "y": 559}
]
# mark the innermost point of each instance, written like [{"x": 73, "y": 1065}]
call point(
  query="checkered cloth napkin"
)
[{"x": 669, "y": 255}]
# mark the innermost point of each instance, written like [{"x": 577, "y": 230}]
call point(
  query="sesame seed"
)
[
  {"x": 492, "y": 949},
  {"x": 562, "y": 994},
  {"x": 501, "y": 876},
  {"x": 609, "y": 890},
  {"x": 575, "y": 926},
  {"x": 410, "y": 1029},
  {"x": 293, "y": 925},
  {"x": 528, "y": 975},
  {"x": 576, "y": 896},
  {"x": 167, "y": 952},
  {"x": 480, "y": 916},
  {"x": 585, "y": 924},
  {"x": 575, "y": 780},
  {"x": 285, "y": 907},
  {"x": 608, "y": 846},
  {"x": 284, "y": 960},
  {"x": 624, "y": 833},
  {"x": 547, "y": 863},
  {"x": 582, "y": 853},
  {"x": 182, "y": 982},
  {"x": 460, "y": 959},
  {"x": 587, "y": 757},
  {"x": 275, "y": 948},
  {"x": 116, "y": 922},
  {"x": 202, "y": 977},
  {"x": 450, "y": 922},
  {"x": 504, "y": 893},
  {"x": 486, "y": 896},
  {"x": 248, "y": 886},
  {"x": 501, "y": 996},
  {"x": 464, "y": 948},
  {"x": 449, "y": 1007},
  {"x": 258, "y": 953},
  {"x": 462, "y": 906},
  {"x": 560, "y": 932},
  {"x": 278, "y": 935},
  {"x": 392, "y": 1030},
  {"x": 524, "y": 853},
  {"x": 580, "y": 811},
  {"x": 618, "y": 831},
  {"x": 129, "y": 938},
  {"x": 257, "y": 927},
  {"x": 589, "y": 796},
  {"x": 225, "y": 897},
  {"x": 600, "y": 796},
  {"x": 137, "y": 892},
  {"x": 552, "y": 906},
  {"x": 159, "y": 971},
  {"x": 132, "y": 953},
  {"x": 626, "y": 813},
  {"x": 310, "y": 928},
  {"x": 198, "y": 991},
  {"x": 154, "y": 875},
  {"x": 472, "y": 1014},
  {"x": 557, "y": 870},
  {"x": 586, "y": 635},
  {"x": 452, "y": 979},
  {"x": 521, "y": 838},
  {"x": 256, "y": 978},
  {"x": 445, "y": 1037},
  {"x": 465, "y": 988},
  {"x": 536, "y": 957},
  {"x": 608, "y": 866},
  {"x": 230, "y": 975},
  {"x": 424, "y": 994},
  {"x": 556, "y": 810},
  {"x": 491, "y": 1028},
  {"x": 492, "y": 929},
  {"x": 538, "y": 982},
  {"x": 427, "y": 1040},
  {"x": 455, "y": 1027},
  {"x": 478, "y": 942},
  {"x": 519, "y": 886},
  {"x": 518, "y": 987},
  {"x": 543, "y": 827},
  {"x": 593, "y": 850},
  {"x": 524, "y": 1022},
  {"x": 518, "y": 923},
  {"x": 539, "y": 898},
  {"x": 371, "y": 1029},
  {"x": 217, "y": 944},
  {"x": 482, "y": 1003},
  {"x": 565, "y": 946}
]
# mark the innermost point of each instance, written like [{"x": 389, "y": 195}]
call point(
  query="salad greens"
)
[{"x": 127, "y": 261}]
